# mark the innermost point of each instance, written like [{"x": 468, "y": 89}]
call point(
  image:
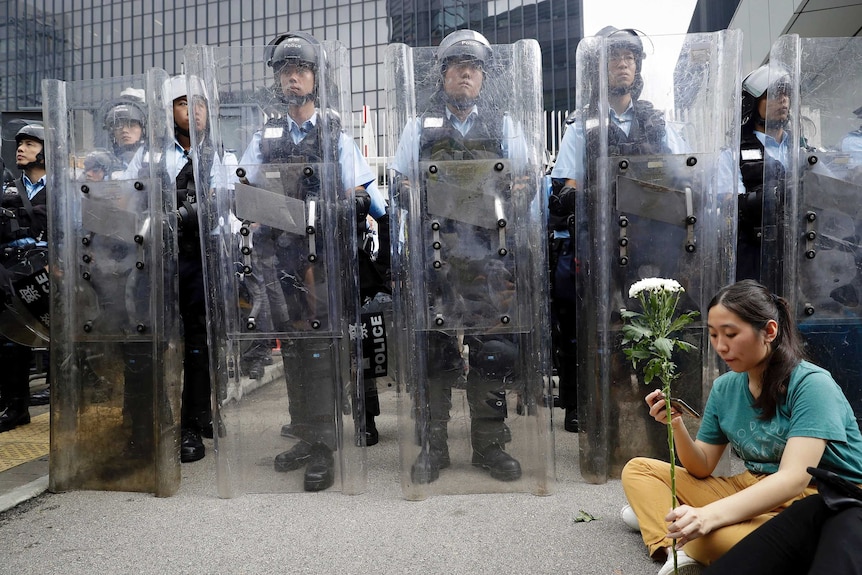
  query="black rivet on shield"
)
[
  {"x": 690, "y": 161},
  {"x": 139, "y": 185},
  {"x": 85, "y": 189}
]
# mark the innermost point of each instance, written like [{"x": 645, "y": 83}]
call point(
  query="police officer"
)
[
  {"x": 459, "y": 128},
  {"x": 635, "y": 128},
  {"x": 764, "y": 153},
  {"x": 126, "y": 123},
  {"x": 304, "y": 134},
  {"x": 99, "y": 165},
  {"x": 196, "y": 417},
  {"x": 27, "y": 201}
]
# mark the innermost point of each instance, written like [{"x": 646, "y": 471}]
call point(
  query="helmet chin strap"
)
[
  {"x": 459, "y": 103},
  {"x": 293, "y": 100},
  {"x": 29, "y": 165},
  {"x": 182, "y": 131}
]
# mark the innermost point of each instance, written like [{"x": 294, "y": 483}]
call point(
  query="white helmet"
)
[{"x": 177, "y": 87}]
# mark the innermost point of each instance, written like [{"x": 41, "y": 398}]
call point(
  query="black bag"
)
[{"x": 837, "y": 492}]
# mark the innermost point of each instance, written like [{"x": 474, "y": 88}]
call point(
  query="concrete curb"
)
[{"x": 21, "y": 494}]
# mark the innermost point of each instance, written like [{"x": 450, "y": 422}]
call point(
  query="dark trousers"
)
[
  {"x": 563, "y": 320},
  {"x": 196, "y": 403},
  {"x": 15, "y": 382},
  {"x": 807, "y": 538}
]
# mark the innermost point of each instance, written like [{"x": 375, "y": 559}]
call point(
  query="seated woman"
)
[{"x": 781, "y": 415}]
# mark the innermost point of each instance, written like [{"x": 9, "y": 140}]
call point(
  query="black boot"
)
[
  {"x": 427, "y": 466},
  {"x": 41, "y": 397},
  {"x": 501, "y": 465},
  {"x": 570, "y": 423},
  {"x": 192, "y": 447},
  {"x": 293, "y": 458},
  {"x": 320, "y": 472},
  {"x": 372, "y": 437},
  {"x": 15, "y": 414}
]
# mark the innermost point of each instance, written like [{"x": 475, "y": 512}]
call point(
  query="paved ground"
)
[{"x": 378, "y": 531}]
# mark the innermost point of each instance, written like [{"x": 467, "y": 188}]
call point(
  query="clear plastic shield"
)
[
  {"x": 657, "y": 199},
  {"x": 814, "y": 258},
  {"x": 470, "y": 279},
  {"x": 116, "y": 360},
  {"x": 281, "y": 268}
]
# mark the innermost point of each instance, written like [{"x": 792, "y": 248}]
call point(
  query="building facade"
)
[{"x": 87, "y": 39}]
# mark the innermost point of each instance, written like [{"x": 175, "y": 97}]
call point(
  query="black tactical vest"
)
[
  {"x": 19, "y": 219},
  {"x": 280, "y": 149},
  {"x": 758, "y": 170},
  {"x": 441, "y": 141},
  {"x": 646, "y": 137}
]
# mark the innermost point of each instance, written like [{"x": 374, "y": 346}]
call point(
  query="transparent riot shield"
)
[
  {"x": 470, "y": 279},
  {"x": 116, "y": 354},
  {"x": 657, "y": 200},
  {"x": 281, "y": 269},
  {"x": 815, "y": 256}
]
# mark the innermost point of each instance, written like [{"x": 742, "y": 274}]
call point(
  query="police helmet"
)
[
  {"x": 177, "y": 87},
  {"x": 755, "y": 87},
  {"x": 31, "y": 131},
  {"x": 299, "y": 49},
  {"x": 626, "y": 39},
  {"x": 126, "y": 110},
  {"x": 293, "y": 48},
  {"x": 101, "y": 160},
  {"x": 464, "y": 46}
]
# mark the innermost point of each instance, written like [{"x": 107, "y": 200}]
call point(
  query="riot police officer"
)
[
  {"x": 305, "y": 133},
  {"x": 459, "y": 128},
  {"x": 126, "y": 123},
  {"x": 99, "y": 165},
  {"x": 764, "y": 155},
  {"x": 635, "y": 128},
  {"x": 26, "y": 204},
  {"x": 196, "y": 418}
]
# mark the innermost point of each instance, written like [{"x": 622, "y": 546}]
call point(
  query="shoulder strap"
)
[{"x": 25, "y": 199}]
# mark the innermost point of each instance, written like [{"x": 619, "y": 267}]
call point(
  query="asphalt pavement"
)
[{"x": 375, "y": 532}]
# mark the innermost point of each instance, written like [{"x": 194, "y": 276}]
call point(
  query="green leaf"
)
[
  {"x": 664, "y": 346},
  {"x": 636, "y": 331},
  {"x": 682, "y": 321},
  {"x": 584, "y": 517},
  {"x": 685, "y": 346}
]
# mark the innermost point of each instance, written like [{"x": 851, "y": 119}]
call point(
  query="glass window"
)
[{"x": 370, "y": 9}]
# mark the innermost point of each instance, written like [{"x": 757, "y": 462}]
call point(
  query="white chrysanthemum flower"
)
[{"x": 654, "y": 284}]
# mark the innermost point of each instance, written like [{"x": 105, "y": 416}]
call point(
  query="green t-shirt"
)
[{"x": 814, "y": 407}]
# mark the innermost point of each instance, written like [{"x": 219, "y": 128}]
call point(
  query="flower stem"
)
[{"x": 670, "y": 446}]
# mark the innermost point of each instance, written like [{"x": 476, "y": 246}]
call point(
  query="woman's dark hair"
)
[{"x": 756, "y": 305}]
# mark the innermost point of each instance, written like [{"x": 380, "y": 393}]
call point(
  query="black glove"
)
[
  {"x": 363, "y": 204},
  {"x": 562, "y": 203}
]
